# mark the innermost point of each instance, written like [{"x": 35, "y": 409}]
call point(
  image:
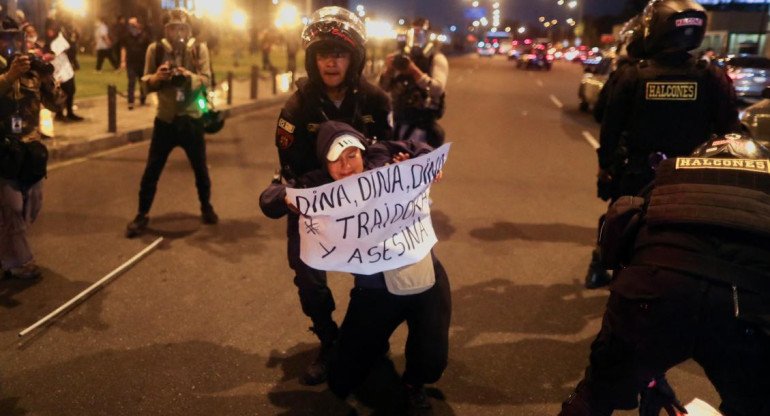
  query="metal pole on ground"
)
[
  {"x": 93, "y": 287},
  {"x": 112, "y": 109},
  {"x": 254, "y": 81}
]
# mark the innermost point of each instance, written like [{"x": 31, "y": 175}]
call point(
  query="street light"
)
[
  {"x": 496, "y": 5},
  {"x": 238, "y": 19},
  {"x": 572, "y": 4},
  {"x": 522, "y": 29},
  {"x": 288, "y": 16},
  {"x": 475, "y": 4},
  {"x": 75, "y": 6}
]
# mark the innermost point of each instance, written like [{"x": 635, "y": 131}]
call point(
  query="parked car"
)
[
  {"x": 755, "y": 119},
  {"x": 592, "y": 83},
  {"x": 750, "y": 74}
]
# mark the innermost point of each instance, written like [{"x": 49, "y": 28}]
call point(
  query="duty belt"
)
[{"x": 706, "y": 267}]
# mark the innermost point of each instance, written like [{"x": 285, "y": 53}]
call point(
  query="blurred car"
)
[
  {"x": 755, "y": 119},
  {"x": 750, "y": 74},
  {"x": 592, "y": 83},
  {"x": 536, "y": 57},
  {"x": 486, "y": 49}
]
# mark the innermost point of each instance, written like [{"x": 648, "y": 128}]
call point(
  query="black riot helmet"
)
[
  {"x": 12, "y": 39},
  {"x": 177, "y": 26},
  {"x": 334, "y": 28},
  {"x": 632, "y": 38},
  {"x": 732, "y": 145},
  {"x": 671, "y": 25}
]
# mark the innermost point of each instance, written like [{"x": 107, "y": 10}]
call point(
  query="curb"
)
[{"x": 107, "y": 141}]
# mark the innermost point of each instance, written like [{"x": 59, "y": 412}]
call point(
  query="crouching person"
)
[{"x": 418, "y": 294}]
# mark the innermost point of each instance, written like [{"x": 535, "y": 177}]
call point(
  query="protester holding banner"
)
[
  {"x": 416, "y": 291},
  {"x": 334, "y": 43}
]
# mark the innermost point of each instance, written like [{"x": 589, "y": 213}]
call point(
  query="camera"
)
[
  {"x": 36, "y": 63},
  {"x": 177, "y": 79},
  {"x": 401, "y": 61}
]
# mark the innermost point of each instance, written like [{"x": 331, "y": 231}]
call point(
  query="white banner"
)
[{"x": 368, "y": 223}]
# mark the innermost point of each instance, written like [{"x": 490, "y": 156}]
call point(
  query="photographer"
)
[
  {"x": 177, "y": 68},
  {"x": 26, "y": 84},
  {"x": 416, "y": 78}
]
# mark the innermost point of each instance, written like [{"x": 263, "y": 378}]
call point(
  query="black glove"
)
[
  {"x": 659, "y": 395},
  {"x": 604, "y": 190}
]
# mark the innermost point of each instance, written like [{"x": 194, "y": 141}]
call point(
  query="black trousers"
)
[
  {"x": 69, "y": 89},
  {"x": 314, "y": 295},
  {"x": 371, "y": 318},
  {"x": 134, "y": 73},
  {"x": 101, "y": 54},
  {"x": 656, "y": 319},
  {"x": 186, "y": 133}
]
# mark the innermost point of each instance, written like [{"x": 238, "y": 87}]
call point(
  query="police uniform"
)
[
  {"x": 21, "y": 196},
  {"x": 694, "y": 283},
  {"x": 366, "y": 108},
  {"x": 666, "y": 104}
]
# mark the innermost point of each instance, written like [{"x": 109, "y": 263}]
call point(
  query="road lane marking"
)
[
  {"x": 539, "y": 83},
  {"x": 556, "y": 101},
  {"x": 83, "y": 294},
  {"x": 590, "y": 139}
]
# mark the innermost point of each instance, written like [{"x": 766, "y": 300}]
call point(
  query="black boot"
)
[
  {"x": 136, "y": 227},
  {"x": 597, "y": 275},
  {"x": 416, "y": 400},
  {"x": 326, "y": 331}
]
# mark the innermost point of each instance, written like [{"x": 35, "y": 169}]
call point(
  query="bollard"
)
[
  {"x": 254, "y": 81},
  {"x": 274, "y": 73},
  {"x": 229, "y": 88},
  {"x": 112, "y": 109}
]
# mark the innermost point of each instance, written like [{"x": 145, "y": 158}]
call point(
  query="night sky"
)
[{"x": 448, "y": 12}]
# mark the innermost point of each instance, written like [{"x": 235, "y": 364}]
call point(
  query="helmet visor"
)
[{"x": 336, "y": 21}]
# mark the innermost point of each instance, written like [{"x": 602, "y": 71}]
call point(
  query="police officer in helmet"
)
[
  {"x": 692, "y": 280},
  {"x": 26, "y": 85},
  {"x": 662, "y": 107},
  {"x": 416, "y": 77},
  {"x": 334, "y": 89},
  {"x": 630, "y": 50},
  {"x": 177, "y": 68}
]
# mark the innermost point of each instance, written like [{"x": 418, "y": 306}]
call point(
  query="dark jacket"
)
[
  {"x": 272, "y": 200},
  {"x": 365, "y": 108}
]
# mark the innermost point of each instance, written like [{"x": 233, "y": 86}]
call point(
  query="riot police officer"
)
[
  {"x": 177, "y": 68},
  {"x": 26, "y": 85},
  {"x": 630, "y": 50},
  {"x": 662, "y": 107},
  {"x": 334, "y": 89},
  {"x": 416, "y": 77},
  {"x": 692, "y": 281}
]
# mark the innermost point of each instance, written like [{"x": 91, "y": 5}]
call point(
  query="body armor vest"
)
[{"x": 730, "y": 193}]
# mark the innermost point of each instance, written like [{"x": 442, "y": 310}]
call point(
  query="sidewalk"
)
[{"x": 79, "y": 139}]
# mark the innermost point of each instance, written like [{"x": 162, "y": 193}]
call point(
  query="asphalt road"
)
[{"x": 210, "y": 323}]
